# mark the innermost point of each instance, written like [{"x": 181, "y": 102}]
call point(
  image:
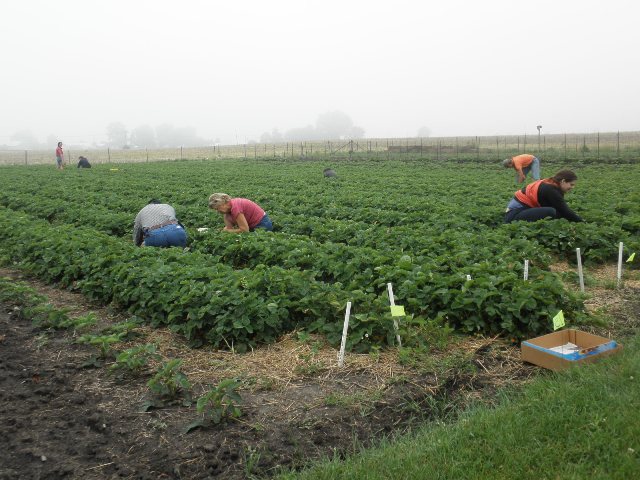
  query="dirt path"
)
[{"x": 62, "y": 420}]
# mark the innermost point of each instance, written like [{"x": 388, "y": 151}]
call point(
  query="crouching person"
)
[
  {"x": 83, "y": 162},
  {"x": 240, "y": 214},
  {"x": 156, "y": 225}
]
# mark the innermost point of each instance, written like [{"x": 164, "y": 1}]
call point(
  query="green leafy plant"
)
[
  {"x": 169, "y": 382},
  {"x": 217, "y": 404},
  {"x": 135, "y": 359},
  {"x": 102, "y": 342},
  {"x": 125, "y": 329},
  {"x": 310, "y": 364},
  {"x": 18, "y": 293},
  {"x": 48, "y": 316}
]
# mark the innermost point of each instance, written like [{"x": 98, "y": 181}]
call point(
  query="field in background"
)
[{"x": 593, "y": 147}]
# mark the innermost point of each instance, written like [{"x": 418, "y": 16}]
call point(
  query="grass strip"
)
[{"x": 582, "y": 423}]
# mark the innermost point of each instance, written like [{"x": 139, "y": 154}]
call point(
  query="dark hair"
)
[
  {"x": 59, "y": 143},
  {"x": 566, "y": 175},
  {"x": 153, "y": 200}
]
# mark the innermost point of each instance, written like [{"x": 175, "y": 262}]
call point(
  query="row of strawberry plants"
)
[
  {"x": 210, "y": 302},
  {"x": 342, "y": 214},
  {"x": 597, "y": 242},
  {"x": 358, "y": 267},
  {"x": 193, "y": 294}
]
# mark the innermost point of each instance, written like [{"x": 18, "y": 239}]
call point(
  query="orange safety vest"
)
[{"x": 529, "y": 194}]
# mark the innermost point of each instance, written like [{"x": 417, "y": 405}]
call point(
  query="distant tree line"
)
[
  {"x": 162, "y": 136},
  {"x": 329, "y": 126}
]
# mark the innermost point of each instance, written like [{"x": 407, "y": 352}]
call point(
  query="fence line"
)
[{"x": 587, "y": 147}]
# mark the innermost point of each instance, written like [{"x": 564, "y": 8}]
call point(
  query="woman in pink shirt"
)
[
  {"x": 59, "y": 156},
  {"x": 240, "y": 214}
]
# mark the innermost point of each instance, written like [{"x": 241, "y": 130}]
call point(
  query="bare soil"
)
[{"x": 62, "y": 420}]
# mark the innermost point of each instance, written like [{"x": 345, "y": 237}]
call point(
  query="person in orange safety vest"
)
[
  {"x": 543, "y": 199},
  {"x": 523, "y": 164}
]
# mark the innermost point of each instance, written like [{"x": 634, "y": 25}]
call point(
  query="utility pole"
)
[{"x": 539, "y": 127}]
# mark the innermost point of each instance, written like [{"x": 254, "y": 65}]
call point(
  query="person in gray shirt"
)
[{"x": 156, "y": 225}]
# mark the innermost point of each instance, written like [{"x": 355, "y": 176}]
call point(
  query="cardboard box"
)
[{"x": 561, "y": 349}]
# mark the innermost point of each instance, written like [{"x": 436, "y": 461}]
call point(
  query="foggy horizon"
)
[{"x": 239, "y": 73}]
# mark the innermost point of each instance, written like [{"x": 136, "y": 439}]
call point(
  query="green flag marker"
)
[
  {"x": 558, "y": 320},
  {"x": 397, "y": 311},
  {"x": 631, "y": 257}
]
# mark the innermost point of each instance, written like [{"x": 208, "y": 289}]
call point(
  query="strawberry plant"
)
[
  {"x": 219, "y": 403},
  {"x": 135, "y": 359},
  {"x": 169, "y": 382}
]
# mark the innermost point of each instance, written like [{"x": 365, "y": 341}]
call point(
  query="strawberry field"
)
[{"x": 432, "y": 230}]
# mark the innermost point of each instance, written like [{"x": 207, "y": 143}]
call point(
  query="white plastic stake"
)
[
  {"x": 620, "y": 248},
  {"x": 345, "y": 328},
  {"x": 392, "y": 302},
  {"x": 526, "y": 270},
  {"x": 580, "y": 276}
]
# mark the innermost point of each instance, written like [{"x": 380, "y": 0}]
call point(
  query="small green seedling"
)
[
  {"x": 84, "y": 321},
  {"x": 169, "y": 382},
  {"x": 18, "y": 293},
  {"x": 135, "y": 359},
  {"x": 217, "y": 404},
  {"x": 102, "y": 342},
  {"x": 47, "y": 316},
  {"x": 126, "y": 328}
]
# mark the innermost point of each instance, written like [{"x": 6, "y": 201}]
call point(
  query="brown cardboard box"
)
[{"x": 589, "y": 349}]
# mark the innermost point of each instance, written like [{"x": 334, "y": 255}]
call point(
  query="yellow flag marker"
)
[
  {"x": 558, "y": 320},
  {"x": 397, "y": 311},
  {"x": 113, "y": 169},
  {"x": 631, "y": 257}
]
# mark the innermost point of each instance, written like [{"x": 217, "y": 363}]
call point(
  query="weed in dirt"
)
[
  {"x": 266, "y": 384},
  {"x": 156, "y": 424},
  {"x": 169, "y": 382},
  {"x": 102, "y": 342},
  {"x": 83, "y": 322},
  {"x": 125, "y": 329},
  {"x": 135, "y": 359},
  {"x": 599, "y": 318},
  {"x": 251, "y": 458},
  {"x": 258, "y": 427},
  {"x": 374, "y": 353},
  {"x": 41, "y": 341},
  {"x": 363, "y": 402},
  {"x": 310, "y": 365},
  {"x": 303, "y": 337},
  {"x": 219, "y": 403},
  {"x": 18, "y": 293},
  {"x": 458, "y": 361},
  {"x": 47, "y": 316}
]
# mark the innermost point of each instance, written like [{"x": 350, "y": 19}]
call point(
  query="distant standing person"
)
[
  {"x": 240, "y": 214},
  {"x": 523, "y": 164},
  {"x": 83, "y": 162},
  {"x": 543, "y": 199},
  {"x": 156, "y": 225},
  {"x": 59, "y": 156}
]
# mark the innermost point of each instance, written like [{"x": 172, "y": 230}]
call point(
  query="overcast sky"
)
[{"x": 236, "y": 69}]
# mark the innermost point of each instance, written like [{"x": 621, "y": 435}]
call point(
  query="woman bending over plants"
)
[
  {"x": 543, "y": 199},
  {"x": 240, "y": 214}
]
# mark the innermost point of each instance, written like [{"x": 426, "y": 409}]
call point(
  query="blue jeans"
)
[
  {"x": 264, "y": 223},
  {"x": 534, "y": 168},
  {"x": 168, "y": 236},
  {"x": 527, "y": 214}
]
